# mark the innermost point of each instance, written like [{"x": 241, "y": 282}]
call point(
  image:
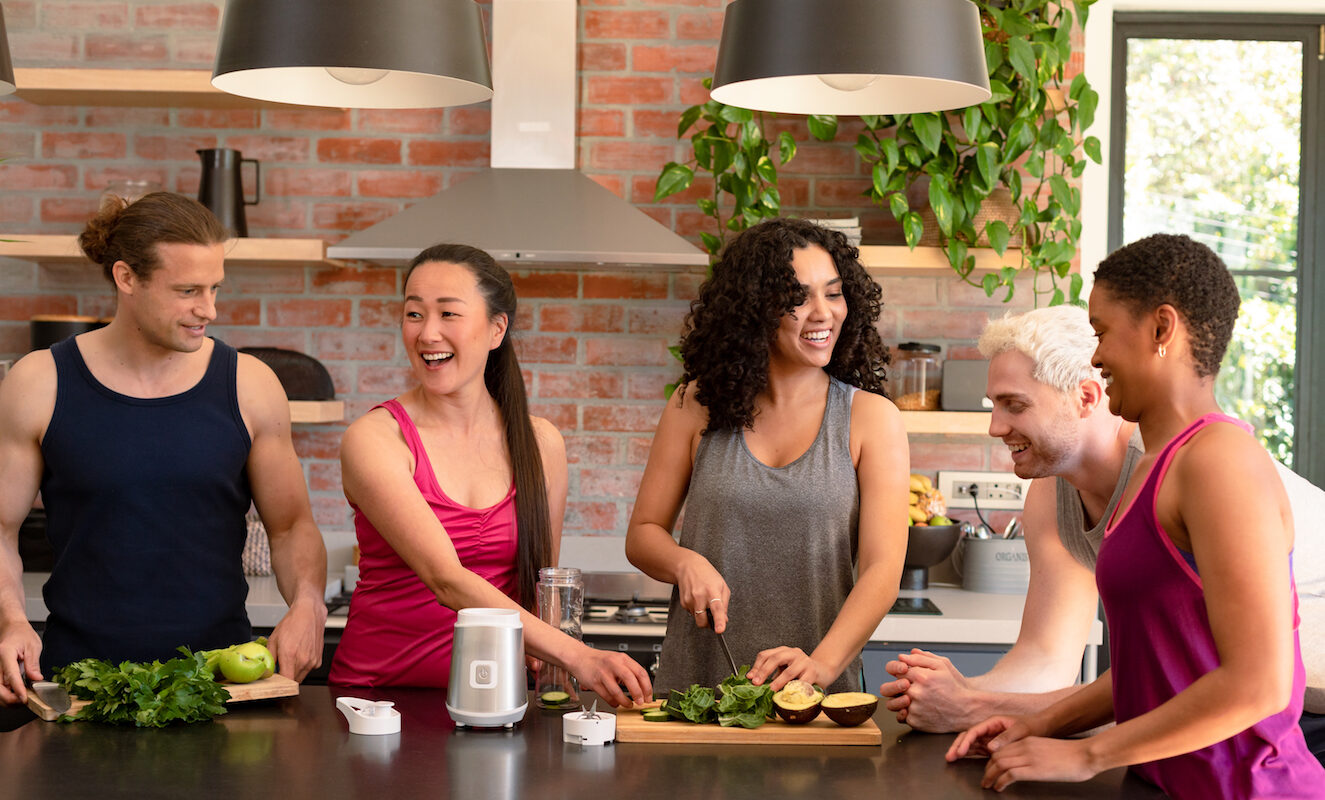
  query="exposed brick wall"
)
[{"x": 593, "y": 342}]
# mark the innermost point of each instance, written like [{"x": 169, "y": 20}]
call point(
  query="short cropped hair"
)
[{"x": 1058, "y": 340}]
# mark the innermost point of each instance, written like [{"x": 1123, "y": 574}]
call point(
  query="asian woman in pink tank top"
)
[
  {"x": 458, "y": 493},
  {"x": 1195, "y": 574}
]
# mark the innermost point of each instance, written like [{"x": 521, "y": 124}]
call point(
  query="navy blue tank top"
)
[{"x": 145, "y": 501}]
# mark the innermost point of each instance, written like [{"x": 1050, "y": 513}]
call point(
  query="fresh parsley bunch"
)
[
  {"x": 147, "y": 695},
  {"x": 742, "y": 703}
]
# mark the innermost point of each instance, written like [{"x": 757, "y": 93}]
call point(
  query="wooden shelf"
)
[
  {"x": 157, "y": 88},
  {"x": 950, "y": 423},
  {"x": 317, "y": 410},
  {"x": 64, "y": 249},
  {"x": 888, "y": 260}
]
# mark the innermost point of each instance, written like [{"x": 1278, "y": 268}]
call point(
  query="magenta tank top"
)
[
  {"x": 397, "y": 633},
  {"x": 1160, "y": 641}
]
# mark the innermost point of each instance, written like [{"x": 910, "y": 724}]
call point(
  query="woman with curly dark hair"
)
[
  {"x": 1195, "y": 572},
  {"x": 790, "y": 476}
]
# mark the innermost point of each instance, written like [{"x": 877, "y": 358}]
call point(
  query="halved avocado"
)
[
  {"x": 798, "y": 702},
  {"x": 850, "y": 709}
]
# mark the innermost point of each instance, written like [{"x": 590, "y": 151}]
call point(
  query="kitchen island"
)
[{"x": 300, "y": 747}]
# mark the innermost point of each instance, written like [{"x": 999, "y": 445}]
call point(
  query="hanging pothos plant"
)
[
  {"x": 730, "y": 144},
  {"x": 1028, "y": 137}
]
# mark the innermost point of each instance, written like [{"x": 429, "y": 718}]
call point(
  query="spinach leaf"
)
[
  {"x": 741, "y": 703},
  {"x": 147, "y": 695}
]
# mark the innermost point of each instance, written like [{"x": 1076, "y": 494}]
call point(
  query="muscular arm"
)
[
  {"x": 298, "y": 555},
  {"x": 930, "y": 694},
  {"x": 883, "y": 471},
  {"x": 377, "y": 476},
  {"x": 27, "y": 400}
]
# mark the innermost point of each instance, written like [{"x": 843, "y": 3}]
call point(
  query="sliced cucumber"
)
[
  {"x": 554, "y": 698},
  {"x": 656, "y": 715}
]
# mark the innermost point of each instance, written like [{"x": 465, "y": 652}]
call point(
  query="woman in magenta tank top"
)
[
  {"x": 1195, "y": 574},
  {"x": 457, "y": 492}
]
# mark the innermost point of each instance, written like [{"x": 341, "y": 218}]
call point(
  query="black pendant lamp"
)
[
  {"x": 7, "y": 85},
  {"x": 354, "y": 53},
  {"x": 851, "y": 57}
]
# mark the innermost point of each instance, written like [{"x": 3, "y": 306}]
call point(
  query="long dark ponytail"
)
[{"x": 506, "y": 385}]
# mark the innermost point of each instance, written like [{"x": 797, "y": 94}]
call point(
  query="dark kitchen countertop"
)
[{"x": 300, "y": 747}]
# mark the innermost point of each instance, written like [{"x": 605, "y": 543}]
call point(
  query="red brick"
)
[
  {"x": 290, "y": 181},
  {"x": 195, "y": 50},
  {"x": 68, "y": 209},
  {"x": 14, "y": 341},
  {"x": 586, "y": 318},
  {"x": 179, "y": 16},
  {"x": 823, "y": 158},
  {"x": 524, "y": 319},
  {"x": 454, "y": 154},
  {"x": 642, "y": 188},
  {"x": 402, "y": 120},
  {"x": 270, "y": 148},
  {"x": 685, "y": 285},
  {"x": 351, "y": 216},
  {"x": 217, "y": 117},
  {"x": 601, "y": 122},
  {"x": 387, "y": 381},
  {"x": 627, "y": 352},
  {"x": 692, "y": 92},
  {"x": 23, "y": 307},
  {"x": 674, "y": 58},
  {"x": 585, "y": 449},
  {"x": 125, "y": 47},
  {"x": 239, "y": 311},
  {"x": 608, "y": 57},
  {"x": 625, "y": 24},
  {"x": 647, "y": 286},
  {"x": 16, "y": 145},
  {"x": 705, "y": 25},
  {"x": 596, "y": 384},
  {"x": 651, "y": 385},
  {"x": 649, "y": 122},
  {"x": 629, "y": 155},
  {"x": 408, "y": 183},
  {"x": 78, "y": 277},
  {"x": 843, "y": 192},
  {"x": 796, "y": 193},
  {"x": 355, "y": 281},
  {"x": 534, "y": 349},
  {"x": 138, "y": 118},
  {"x": 265, "y": 337},
  {"x": 56, "y": 144},
  {"x": 637, "y": 450},
  {"x": 331, "y": 512},
  {"x": 276, "y": 215},
  {"x": 944, "y": 323},
  {"x": 931, "y": 456},
  {"x": 612, "y": 183},
  {"x": 1000, "y": 458},
  {"x": 462, "y": 121},
  {"x": 324, "y": 477},
  {"x": 561, "y": 415},
  {"x": 307, "y": 119},
  {"x": 321, "y": 442},
  {"x": 689, "y": 222},
  {"x": 15, "y": 209},
  {"x": 586, "y": 516},
  {"x": 308, "y": 313},
  {"x": 546, "y": 284},
  {"x": 960, "y": 294},
  {"x": 359, "y": 151},
  {"x": 908, "y": 291},
  {"x": 171, "y": 147},
  {"x": 625, "y": 91},
  {"x": 606, "y": 482},
  {"x": 348, "y": 345},
  {"x": 379, "y": 313},
  {"x": 62, "y": 16},
  {"x": 20, "y": 14},
  {"x": 20, "y": 112},
  {"x": 37, "y": 46},
  {"x": 17, "y": 177},
  {"x": 654, "y": 319}
]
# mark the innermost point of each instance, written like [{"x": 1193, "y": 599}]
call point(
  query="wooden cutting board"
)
[
  {"x": 265, "y": 689},
  {"x": 632, "y": 727}
]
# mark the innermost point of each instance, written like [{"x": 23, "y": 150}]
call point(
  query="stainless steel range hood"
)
[{"x": 532, "y": 205}]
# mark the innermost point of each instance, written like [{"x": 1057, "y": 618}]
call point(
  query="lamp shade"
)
[
  {"x": 354, "y": 53},
  {"x": 6, "y": 65},
  {"x": 851, "y": 56}
]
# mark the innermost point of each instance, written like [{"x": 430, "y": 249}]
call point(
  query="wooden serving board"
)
[
  {"x": 632, "y": 727},
  {"x": 265, "y": 689}
]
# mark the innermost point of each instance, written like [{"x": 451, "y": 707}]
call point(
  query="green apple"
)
[
  {"x": 247, "y": 662},
  {"x": 939, "y": 520}
]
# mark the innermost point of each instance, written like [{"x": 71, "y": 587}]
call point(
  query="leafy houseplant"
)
[
  {"x": 730, "y": 144},
  {"x": 1028, "y": 137}
]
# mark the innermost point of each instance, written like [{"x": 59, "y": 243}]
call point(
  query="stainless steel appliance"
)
[
  {"x": 488, "y": 683},
  {"x": 626, "y": 612}
]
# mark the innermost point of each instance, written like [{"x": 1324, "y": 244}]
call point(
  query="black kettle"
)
[{"x": 222, "y": 187}]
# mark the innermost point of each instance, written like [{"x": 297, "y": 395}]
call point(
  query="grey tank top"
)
[
  {"x": 1084, "y": 545},
  {"x": 783, "y": 538}
]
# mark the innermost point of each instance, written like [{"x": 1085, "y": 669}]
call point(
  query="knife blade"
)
[
  {"x": 722, "y": 642},
  {"x": 52, "y": 695}
]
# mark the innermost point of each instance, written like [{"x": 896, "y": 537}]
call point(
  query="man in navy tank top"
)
[
  {"x": 1051, "y": 411},
  {"x": 148, "y": 441}
]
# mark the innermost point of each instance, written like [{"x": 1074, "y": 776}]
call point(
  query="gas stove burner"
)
[{"x": 632, "y": 613}]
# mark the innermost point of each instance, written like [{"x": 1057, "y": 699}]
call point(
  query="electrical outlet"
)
[{"x": 994, "y": 490}]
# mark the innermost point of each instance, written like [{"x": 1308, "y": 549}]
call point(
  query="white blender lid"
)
[{"x": 488, "y": 618}]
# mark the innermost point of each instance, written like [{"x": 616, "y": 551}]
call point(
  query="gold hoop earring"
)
[{"x": 1163, "y": 351}]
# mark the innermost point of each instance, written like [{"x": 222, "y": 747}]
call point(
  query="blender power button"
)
[{"x": 482, "y": 674}]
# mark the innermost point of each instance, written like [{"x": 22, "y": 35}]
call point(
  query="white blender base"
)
[{"x": 486, "y": 719}]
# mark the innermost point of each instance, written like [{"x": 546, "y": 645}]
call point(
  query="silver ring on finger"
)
[{"x": 715, "y": 600}]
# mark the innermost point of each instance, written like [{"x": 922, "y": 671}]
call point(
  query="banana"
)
[
  {"x": 917, "y": 515},
  {"x": 918, "y": 484}
]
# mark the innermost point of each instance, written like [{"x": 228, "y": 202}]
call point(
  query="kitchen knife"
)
[
  {"x": 722, "y": 642},
  {"x": 52, "y": 695}
]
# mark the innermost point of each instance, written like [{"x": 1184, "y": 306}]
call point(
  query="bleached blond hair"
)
[{"x": 1058, "y": 340}]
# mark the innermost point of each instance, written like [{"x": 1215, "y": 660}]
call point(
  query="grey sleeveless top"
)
[
  {"x": 783, "y": 538},
  {"x": 1084, "y": 544}
]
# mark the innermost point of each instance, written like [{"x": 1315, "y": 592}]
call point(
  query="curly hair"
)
[
  {"x": 729, "y": 331},
  {"x": 1178, "y": 271}
]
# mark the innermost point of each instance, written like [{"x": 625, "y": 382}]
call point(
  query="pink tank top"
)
[
  {"x": 397, "y": 633},
  {"x": 1160, "y": 642}
]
